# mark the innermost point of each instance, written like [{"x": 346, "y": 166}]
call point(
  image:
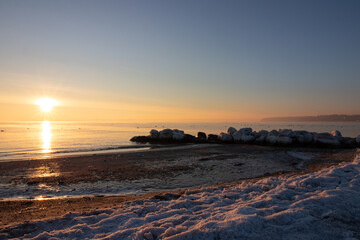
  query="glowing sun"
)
[{"x": 46, "y": 104}]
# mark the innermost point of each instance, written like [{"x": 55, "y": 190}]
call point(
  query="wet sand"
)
[{"x": 215, "y": 164}]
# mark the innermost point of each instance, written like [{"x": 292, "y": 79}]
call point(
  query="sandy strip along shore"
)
[{"x": 194, "y": 166}]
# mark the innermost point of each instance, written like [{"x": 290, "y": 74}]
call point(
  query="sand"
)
[{"x": 222, "y": 164}]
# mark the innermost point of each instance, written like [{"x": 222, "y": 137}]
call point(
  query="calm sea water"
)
[{"x": 26, "y": 140}]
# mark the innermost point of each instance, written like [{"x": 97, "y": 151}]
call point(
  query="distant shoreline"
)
[{"x": 320, "y": 118}]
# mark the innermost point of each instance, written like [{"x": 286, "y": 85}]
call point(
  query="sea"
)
[{"x": 44, "y": 139}]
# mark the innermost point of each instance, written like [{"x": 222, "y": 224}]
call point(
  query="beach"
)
[{"x": 143, "y": 175}]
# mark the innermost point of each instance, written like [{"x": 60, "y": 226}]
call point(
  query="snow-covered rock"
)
[
  {"x": 326, "y": 139},
  {"x": 231, "y": 131},
  {"x": 237, "y": 136},
  {"x": 286, "y": 133},
  {"x": 246, "y": 131},
  {"x": 272, "y": 137},
  {"x": 225, "y": 137},
  {"x": 285, "y": 136},
  {"x": 319, "y": 205},
  {"x": 285, "y": 140},
  {"x": 178, "y": 136},
  {"x": 179, "y": 131},
  {"x": 247, "y": 138},
  {"x": 337, "y": 134},
  {"x": 154, "y": 133},
  {"x": 303, "y": 136},
  {"x": 260, "y": 137},
  {"x": 166, "y": 134},
  {"x": 244, "y": 135}
]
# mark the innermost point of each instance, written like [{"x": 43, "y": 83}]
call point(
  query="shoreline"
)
[{"x": 16, "y": 211}]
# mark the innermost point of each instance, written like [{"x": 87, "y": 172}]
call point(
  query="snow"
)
[
  {"x": 225, "y": 137},
  {"x": 320, "y": 205}
]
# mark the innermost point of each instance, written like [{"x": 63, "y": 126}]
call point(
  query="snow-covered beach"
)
[{"x": 320, "y": 205}]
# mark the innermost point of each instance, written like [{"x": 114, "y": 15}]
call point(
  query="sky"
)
[{"x": 179, "y": 61}]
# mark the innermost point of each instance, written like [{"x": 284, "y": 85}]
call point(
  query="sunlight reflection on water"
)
[{"x": 46, "y": 137}]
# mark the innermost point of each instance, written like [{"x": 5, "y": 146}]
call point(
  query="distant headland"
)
[{"x": 320, "y": 118}]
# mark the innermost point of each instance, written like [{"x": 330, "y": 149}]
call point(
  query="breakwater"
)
[{"x": 281, "y": 137}]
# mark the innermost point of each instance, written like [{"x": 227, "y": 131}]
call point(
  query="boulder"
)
[
  {"x": 142, "y": 139},
  {"x": 201, "y": 136},
  {"x": 213, "y": 138},
  {"x": 246, "y": 131},
  {"x": 337, "y": 134},
  {"x": 264, "y": 133},
  {"x": 166, "y": 134},
  {"x": 303, "y": 137},
  {"x": 154, "y": 133},
  {"x": 272, "y": 137},
  {"x": 178, "y": 136},
  {"x": 326, "y": 139},
  {"x": 260, "y": 138},
  {"x": 348, "y": 141},
  {"x": 285, "y": 136},
  {"x": 225, "y": 137},
  {"x": 247, "y": 138},
  {"x": 178, "y": 131},
  {"x": 231, "y": 131},
  {"x": 284, "y": 140},
  {"x": 286, "y": 133},
  {"x": 189, "y": 138},
  {"x": 237, "y": 136}
]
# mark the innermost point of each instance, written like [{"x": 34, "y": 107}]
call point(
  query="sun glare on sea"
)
[
  {"x": 46, "y": 104},
  {"x": 46, "y": 137}
]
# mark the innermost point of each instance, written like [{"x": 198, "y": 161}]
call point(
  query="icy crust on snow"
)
[{"x": 320, "y": 205}]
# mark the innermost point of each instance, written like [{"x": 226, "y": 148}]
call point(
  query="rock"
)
[
  {"x": 260, "y": 139},
  {"x": 231, "y": 131},
  {"x": 142, "y": 139},
  {"x": 272, "y": 137},
  {"x": 285, "y": 140},
  {"x": 213, "y": 138},
  {"x": 358, "y": 139},
  {"x": 166, "y": 134},
  {"x": 348, "y": 141},
  {"x": 247, "y": 138},
  {"x": 303, "y": 137},
  {"x": 189, "y": 138},
  {"x": 261, "y": 136},
  {"x": 285, "y": 136},
  {"x": 178, "y": 131},
  {"x": 154, "y": 133},
  {"x": 237, "y": 136},
  {"x": 244, "y": 135},
  {"x": 336, "y": 134},
  {"x": 201, "y": 136},
  {"x": 178, "y": 136},
  {"x": 246, "y": 131},
  {"x": 264, "y": 132},
  {"x": 326, "y": 139},
  {"x": 225, "y": 137},
  {"x": 286, "y": 132}
]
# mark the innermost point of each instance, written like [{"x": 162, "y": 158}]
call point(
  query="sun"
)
[{"x": 46, "y": 104}]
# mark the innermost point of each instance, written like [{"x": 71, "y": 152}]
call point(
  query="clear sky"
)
[{"x": 174, "y": 61}]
